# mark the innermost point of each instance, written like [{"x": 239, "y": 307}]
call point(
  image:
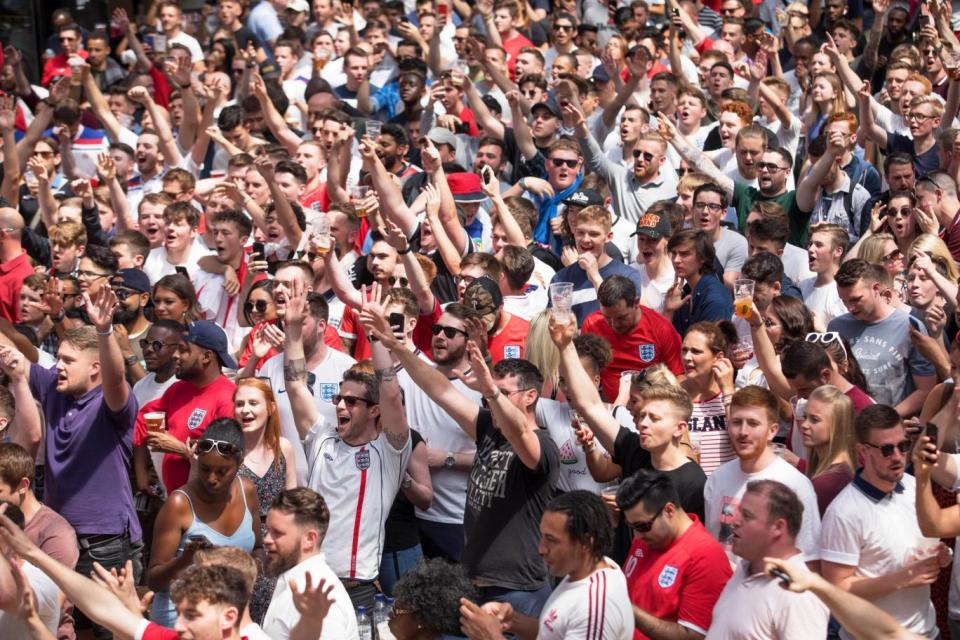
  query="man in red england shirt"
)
[
  {"x": 506, "y": 17},
  {"x": 201, "y": 395},
  {"x": 507, "y": 332},
  {"x": 14, "y": 264},
  {"x": 675, "y": 569},
  {"x": 640, "y": 337}
]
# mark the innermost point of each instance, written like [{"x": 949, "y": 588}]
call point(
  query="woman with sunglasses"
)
[
  {"x": 826, "y": 430},
  {"x": 259, "y": 310},
  {"x": 427, "y": 601},
  {"x": 709, "y": 383},
  {"x": 174, "y": 298},
  {"x": 882, "y": 249},
  {"x": 215, "y": 508},
  {"x": 268, "y": 463}
]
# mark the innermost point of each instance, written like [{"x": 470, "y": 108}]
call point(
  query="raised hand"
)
[
  {"x": 12, "y": 56},
  {"x": 562, "y": 334},
  {"x": 877, "y": 217},
  {"x": 864, "y": 93},
  {"x": 120, "y": 584},
  {"x": 539, "y": 186},
  {"x": 480, "y": 378},
  {"x": 830, "y": 48},
  {"x": 140, "y": 95},
  {"x": 723, "y": 372},
  {"x": 313, "y": 603},
  {"x": 489, "y": 183},
  {"x": 758, "y": 68},
  {"x": 122, "y": 20},
  {"x": 666, "y": 128},
  {"x": 265, "y": 167},
  {"x": 575, "y": 114},
  {"x": 13, "y": 363},
  {"x": 297, "y": 307},
  {"x": 8, "y": 114},
  {"x": 836, "y": 144},
  {"x": 100, "y": 309},
  {"x": 479, "y": 623},
  {"x": 257, "y": 87},
  {"x": 59, "y": 91},
  {"x": 395, "y": 237},
  {"x": 674, "y": 298},
  {"x": 106, "y": 167},
  {"x": 429, "y": 156},
  {"x": 433, "y": 200}
]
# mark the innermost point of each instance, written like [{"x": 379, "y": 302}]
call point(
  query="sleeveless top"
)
[
  {"x": 269, "y": 485},
  {"x": 163, "y": 611}
]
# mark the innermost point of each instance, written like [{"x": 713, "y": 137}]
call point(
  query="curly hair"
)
[
  {"x": 432, "y": 591},
  {"x": 594, "y": 348}
]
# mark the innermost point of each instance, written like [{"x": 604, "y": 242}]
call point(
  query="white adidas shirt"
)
[{"x": 597, "y": 606}]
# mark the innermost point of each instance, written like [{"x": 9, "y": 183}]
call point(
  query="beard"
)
[
  {"x": 280, "y": 563},
  {"x": 125, "y": 316}
]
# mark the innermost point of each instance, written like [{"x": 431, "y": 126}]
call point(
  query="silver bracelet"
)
[{"x": 104, "y": 334}]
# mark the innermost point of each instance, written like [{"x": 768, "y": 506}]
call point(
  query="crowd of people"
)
[{"x": 484, "y": 319}]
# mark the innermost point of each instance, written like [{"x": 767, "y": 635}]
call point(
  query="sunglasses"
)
[
  {"x": 903, "y": 211},
  {"x": 259, "y": 305},
  {"x": 769, "y": 166},
  {"x": 646, "y": 155},
  {"x": 44, "y": 154},
  {"x": 123, "y": 294},
  {"x": 896, "y": 254},
  {"x": 645, "y": 525},
  {"x": 350, "y": 401},
  {"x": 449, "y": 332},
  {"x": 559, "y": 162},
  {"x": 563, "y": 27},
  {"x": 393, "y": 280},
  {"x": 886, "y": 450},
  {"x": 155, "y": 345},
  {"x": 225, "y": 449}
]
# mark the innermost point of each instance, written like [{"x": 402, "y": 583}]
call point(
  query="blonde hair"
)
[
  {"x": 541, "y": 351},
  {"x": 934, "y": 247},
  {"x": 842, "y": 435},
  {"x": 838, "y": 103},
  {"x": 230, "y": 557},
  {"x": 839, "y": 237},
  {"x": 871, "y": 250}
]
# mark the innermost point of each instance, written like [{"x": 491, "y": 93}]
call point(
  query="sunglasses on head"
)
[
  {"x": 559, "y": 162},
  {"x": 449, "y": 332},
  {"x": 826, "y": 338},
  {"x": 646, "y": 155},
  {"x": 394, "y": 280},
  {"x": 222, "y": 447},
  {"x": 350, "y": 401},
  {"x": 886, "y": 450},
  {"x": 259, "y": 305}
]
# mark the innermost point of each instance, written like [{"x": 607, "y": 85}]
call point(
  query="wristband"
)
[
  {"x": 404, "y": 252},
  {"x": 104, "y": 334},
  {"x": 496, "y": 394},
  {"x": 130, "y": 360}
]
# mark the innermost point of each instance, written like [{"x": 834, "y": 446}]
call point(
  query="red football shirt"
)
[
  {"x": 680, "y": 583},
  {"x": 653, "y": 340},
  {"x": 12, "y": 274},
  {"x": 511, "y": 342},
  {"x": 189, "y": 410}
]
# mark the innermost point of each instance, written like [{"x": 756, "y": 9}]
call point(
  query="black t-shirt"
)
[
  {"x": 505, "y": 501},
  {"x": 400, "y": 530},
  {"x": 689, "y": 479}
]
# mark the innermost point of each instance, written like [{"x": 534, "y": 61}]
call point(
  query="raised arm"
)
[
  {"x": 305, "y": 413},
  {"x": 100, "y": 310},
  {"x": 491, "y": 188},
  {"x": 11, "y": 161},
  {"x": 275, "y": 121},
  {"x": 418, "y": 281},
  {"x": 624, "y": 93},
  {"x": 179, "y": 75},
  {"x": 338, "y": 165},
  {"x": 872, "y": 48},
  {"x": 696, "y": 158},
  {"x": 492, "y": 126},
  {"x": 447, "y": 210},
  {"x": 809, "y": 186},
  {"x": 869, "y": 129},
  {"x": 28, "y": 425},
  {"x": 581, "y": 390},
  {"x": 391, "y": 399},
  {"x": 767, "y": 357},
  {"x": 285, "y": 215},
  {"x": 168, "y": 145},
  {"x": 341, "y": 285},
  {"x": 99, "y": 106},
  {"x": 521, "y": 130}
]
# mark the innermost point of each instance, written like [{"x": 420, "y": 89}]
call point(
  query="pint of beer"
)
[{"x": 155, "y": 421}]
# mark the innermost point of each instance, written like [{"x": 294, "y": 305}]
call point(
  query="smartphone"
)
[
  {"x": 397, "y": 322},
  {"x": 782, "y": 575},
  {"x": 933, "y": 432},
  {"x": 148, "y": 40},
  {"x": 443, "y": 9},
  {"x": 182, "y": 271},
  {"x": 404, "y": 19},
  {"x": 484, "y": 175},
  {"x": 258, "y": 249}
]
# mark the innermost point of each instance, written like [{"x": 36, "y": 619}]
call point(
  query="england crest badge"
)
[
  {"x": 667, "y": 577},
  {"x": 327, "y": 391},
  {"x": 196, "y": 419},
  {"x": 511, "y": 352},
  {"x": 647, "y": 352},
  {"x": 362, "y": 459}
]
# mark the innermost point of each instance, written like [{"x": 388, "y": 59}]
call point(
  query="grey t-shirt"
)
[
  {"x": 731, "y": 250},
  {"x": 886, "y": 354}
]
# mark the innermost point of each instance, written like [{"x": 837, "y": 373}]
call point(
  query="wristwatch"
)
[
  {"x": 449, "y": 461},
  {"x": 131, "y": 360}
]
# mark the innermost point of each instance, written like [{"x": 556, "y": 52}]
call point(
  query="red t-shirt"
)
[
  {"x": 511, "y": 342},
  {"x": 12, "y": 274},
  {"x": 189, "y": 410},
  {"x": 422, "y": 336},
  {"x": 680, "y": 583},
  {"x": 154, "y": 631},
  {"x": 57, "y": 67},
  {"x": 653, "y": 340},
  {"x": 316, "y": 195},
  {"x": 466, "y": 116},
  {"x": 512, "y": 47}
]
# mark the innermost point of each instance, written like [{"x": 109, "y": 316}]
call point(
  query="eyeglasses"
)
[
  {"x": 351, "y": 401},
  {"x": 449, "y": 332},
  {"x": 825, "y": 338},
  {"x": 155, "y": 345},
  {"x": 647, "y": 156},
  {"x": 393, "y": 280},
  {"x": 769, "y": 166},
  {"x": 90, "y": 275},
  {"x": 559, "y": 162},
  {"x": 708, "y": 206},
  {"x": 259, "y": 305},
  {"x": 886, "y": 450},
  {"x": 222, "y": 447},
  {"x": 920, "y": 117},
  {"x": 645, "y": 525},
  {"x": 903, "y": 212}
]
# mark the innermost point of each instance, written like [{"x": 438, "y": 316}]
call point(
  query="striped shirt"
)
[
  {"x": 708, "y": 433},
  {"x": 594, "y": 608}
]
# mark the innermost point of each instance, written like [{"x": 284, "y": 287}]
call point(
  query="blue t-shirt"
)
[
  {"x": 923, "y": 164},
  {"x": 584, "y": 295},
  {"x": 709, "y": 300}
]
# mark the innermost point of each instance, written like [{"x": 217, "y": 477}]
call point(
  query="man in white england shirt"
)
[
  {"x": 591, "y": 600},
  {"x": 357, "y": 462},
  {"x": 181, "y": 248},
  {"x": 297, "y": 525}
]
